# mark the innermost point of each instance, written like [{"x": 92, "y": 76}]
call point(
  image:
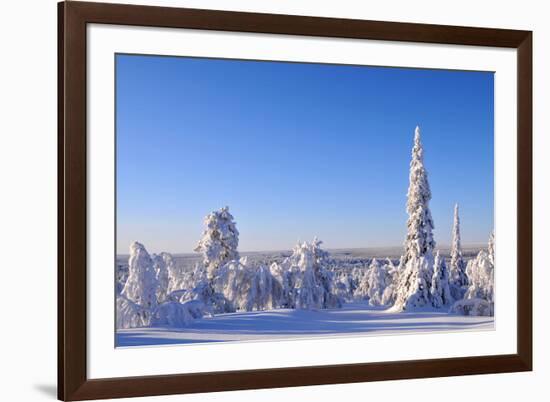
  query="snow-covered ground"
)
[{"x": 351, "y": 320}]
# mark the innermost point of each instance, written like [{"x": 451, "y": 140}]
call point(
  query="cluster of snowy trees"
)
[
  {"x": 424, "y": 280},
  {"x": 374, "y": 283},
  {"x": 479, "y": 296},
  {"x": 156, "y": 293}
]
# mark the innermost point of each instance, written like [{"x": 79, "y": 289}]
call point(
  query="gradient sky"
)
[{"x": 296, "y": 150}]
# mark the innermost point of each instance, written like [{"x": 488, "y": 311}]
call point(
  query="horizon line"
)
[{"x": 444, "y": 246}]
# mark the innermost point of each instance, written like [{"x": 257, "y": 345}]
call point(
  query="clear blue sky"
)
[{"x": 296, "y": 150}]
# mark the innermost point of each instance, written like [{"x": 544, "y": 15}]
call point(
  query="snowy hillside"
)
[{"x": 352, "y": 320}]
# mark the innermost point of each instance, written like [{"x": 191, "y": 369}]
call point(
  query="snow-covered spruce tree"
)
[
  {"x": 215, "y": 302},
  {"x": 247, "y": 287},
  {"x": 142, "y": 284},
  {"x": 388, "y": 297},
  {"x": 174, "y": 276},
  {"x": 314, "y": 283},
  {"x": 360, "y": 285},
  {"x": 183, "y": 283},
  {"x": 193, "y": 277},
  {"x": 171, "y": 314},
  {"x": 491, "y": 248},
  {"x": 130, "y": 314},
  {"x": 377, "y": 278},
  {"x": 211, "y": 291},
  {"x": 163, "y": 277},
  {"x": 413, "y": 290},
  {"x": 366, "y": 279},
  {"x": 265, "y": 290},
  {"x": 138, "y": 298},
  {"x": 441, "y": 293},
  {"x": 233, "y": 282},
  {"x": 144, "y": 300},
  {"x": 479, "y": 298},
  {"x": 458, "y": 277},
  {"x": 361, "y": 292},
  {"x": 481, "y": 272},
  {"x": 309, "y": 293},
  {"x": 121, "y": 275},
  {"x": 219, "y": 241},
  {"x": 344, "y": 286},
  {"x": 286, "y": 276},
  {"x": 481, "y": 275},
  {"x": 218, "y": 246}
]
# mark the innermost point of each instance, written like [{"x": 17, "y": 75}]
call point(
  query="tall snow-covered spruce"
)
[
  {"x": 458, "y": 278},
  {"x": 413, "y": 290}
]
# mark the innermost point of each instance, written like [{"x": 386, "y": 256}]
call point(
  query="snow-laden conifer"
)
[
  {"x": 219, "y": 242},
  {"x": 491, "y": 248},
  {"x": 458, "y": 265},
  {"x": 388, "y": 297},
  {"x": 171, "y": 314},
  {"x": 413, "y": 290},
  {"x": 265, "y": 291},
  {"x": 344, "y": 285},
  {"x": 361, "y": 291},
  {"x": 130, "y": 314},
  {"x": 286, "y": 276},
  {"x": 218, "y": 246},
  {"x": 419, "y": 241},
  {"x": 309, "y": 291},
  {"x": 214, "y": 302},
  {"x": 481, "y": 274},
  {"x": 479, "y": 298},
  {"x": 248, "y": 288},
  {"x": 192, "y": 277},
  {"x": 360, "y": 286},
  {"x": 377, "y": 277},
  {"x": 121, "y": 276},
  {"x": 162, "y": 274},
  {"x": 314, "y": 282},
  {"x": 142, "y": 284},
  {"x": 233, "y": 282},
  {"x": 440, "y": 290},
  {"x": 173, "y": 273},
  {"x": 415, "y": 280}
]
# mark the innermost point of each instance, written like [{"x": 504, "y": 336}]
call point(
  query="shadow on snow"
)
[{"x": 261, "y": 325}]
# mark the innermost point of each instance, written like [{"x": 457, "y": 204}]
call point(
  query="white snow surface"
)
[{"x": 352, "y": 320}]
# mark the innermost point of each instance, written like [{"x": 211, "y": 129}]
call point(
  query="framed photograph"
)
[{"x": 253, "y": 200}]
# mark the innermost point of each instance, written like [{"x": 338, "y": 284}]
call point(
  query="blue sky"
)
[{"x": 296, "y": 151}]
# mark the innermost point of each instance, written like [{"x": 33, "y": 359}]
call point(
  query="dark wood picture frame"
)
[{"x": 73, "y": 383}]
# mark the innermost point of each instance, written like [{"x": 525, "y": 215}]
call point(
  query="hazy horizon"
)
[
  {"x": 296, "y": 151},
  {"x": 444, "y": 247}
]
